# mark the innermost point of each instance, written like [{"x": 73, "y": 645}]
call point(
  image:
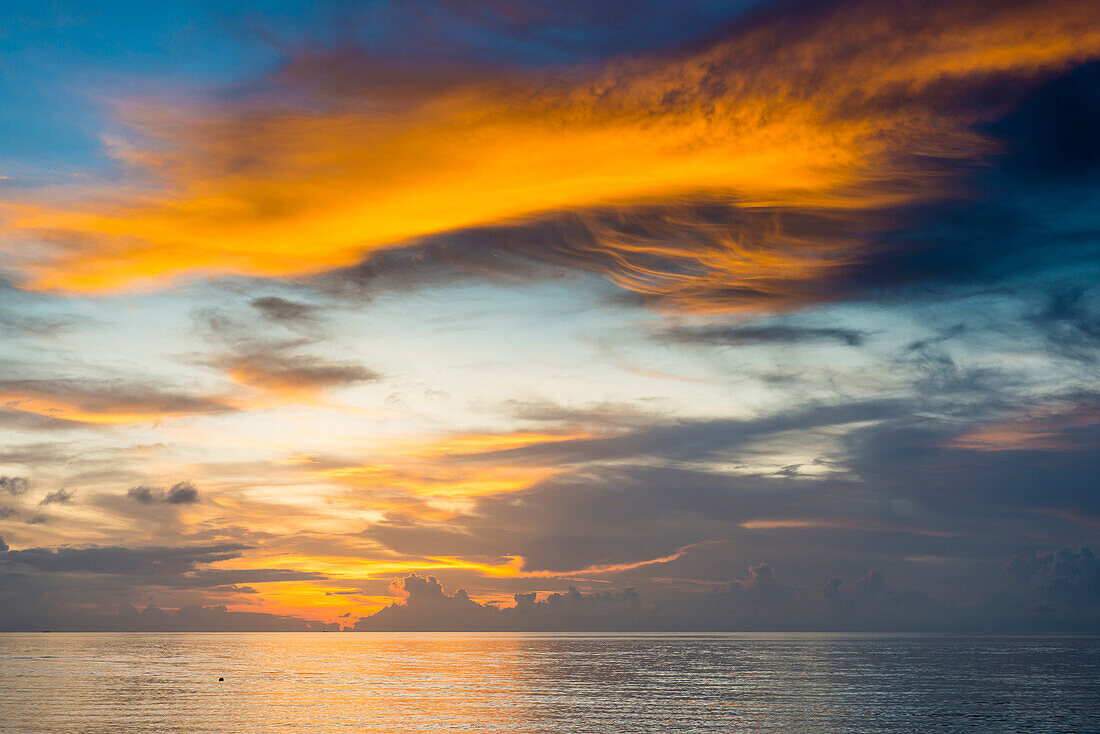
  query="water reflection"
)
[{"x": 546, "y": 683}]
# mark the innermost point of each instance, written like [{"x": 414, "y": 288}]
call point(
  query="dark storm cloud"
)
[
  {"x": 777, "y": 334},
  {"x": 180, "y": 493}
]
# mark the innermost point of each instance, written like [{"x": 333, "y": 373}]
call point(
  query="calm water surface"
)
[{"x": 407, "y": 683}]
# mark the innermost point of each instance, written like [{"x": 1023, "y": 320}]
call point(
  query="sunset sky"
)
[{"x": 305, "y": 305}]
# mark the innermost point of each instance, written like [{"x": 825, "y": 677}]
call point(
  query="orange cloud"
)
[
  {"x": 1047, "y": 431},
  {"x": 327, "y": 600},
  {"x": 102, "y": 403},
  {"x": 827, "y": 112},
  {"x": 422, "y": 468}
]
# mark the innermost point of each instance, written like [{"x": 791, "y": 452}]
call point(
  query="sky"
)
[{"x": 443, "y": 314}]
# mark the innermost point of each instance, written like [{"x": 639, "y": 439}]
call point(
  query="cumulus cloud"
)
[
  {"x": 1062, "y": 579},
  {"x": 1064, "y": 582},
  {"x": 80, "y": 588},
  {"x": 180, "y": 493},
  {"x": 14, "y": 486},
  {"x": 426, "y": 607},
  {"x": 60, "y": 497}
]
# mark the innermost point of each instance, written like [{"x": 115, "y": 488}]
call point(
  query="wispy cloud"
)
[{"x": 838, "y": 109}]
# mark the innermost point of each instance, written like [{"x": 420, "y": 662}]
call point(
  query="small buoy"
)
[{"x": 221, "y": 678}]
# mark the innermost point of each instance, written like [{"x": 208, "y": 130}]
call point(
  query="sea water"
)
[{"x": 408, "y": 683}]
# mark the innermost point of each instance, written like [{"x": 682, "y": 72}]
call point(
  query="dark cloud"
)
[
  {"x": 46, "y": 614},
  {"x": 275, "y": 369},
  {"x": 940, "y": 476},
  {"x": 275, "y": 364},
  {"x": 93, "y": 401},
  {"x": 79, "y": 588},
  {"x": 1046, "y": 463},
  {"x": 1063, "y": 582},
  {"x": 1070, "y": 323},
  {"x": 180, "y": 493},
  {"x": 1050, "y": 134},
  {"x": 661, "y": 253},
  {"x": 778, "y": 334},
  {"x": 427, "y": 608},
  {"x": 148, "y": 561},
  {"x": 1066, "y": 578},
  {"x": 194, "y": 618},
  {"x": 991, "y": 221},
  {"x": 145, "y": 495},
  {"x": 14, "y": 486},
  {"x": 60, "y": 497},
  {"x": 694, "y": 440},
  {"x": 284, "y": 311}
]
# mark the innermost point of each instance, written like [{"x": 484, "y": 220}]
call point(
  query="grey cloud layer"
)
[
  {"x": 1054, "y": 591},
  {"x": 52, "y": 588}
]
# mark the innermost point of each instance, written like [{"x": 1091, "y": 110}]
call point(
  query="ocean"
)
[{"x": 590, "y": 683}]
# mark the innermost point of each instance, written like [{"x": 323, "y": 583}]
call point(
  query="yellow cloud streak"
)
[
  {"x": 776, "y": 116},
  {"x": 309, "y": 599},
  {"x": 422, "y": 467},
  {"x": 60, "y": 408}
]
